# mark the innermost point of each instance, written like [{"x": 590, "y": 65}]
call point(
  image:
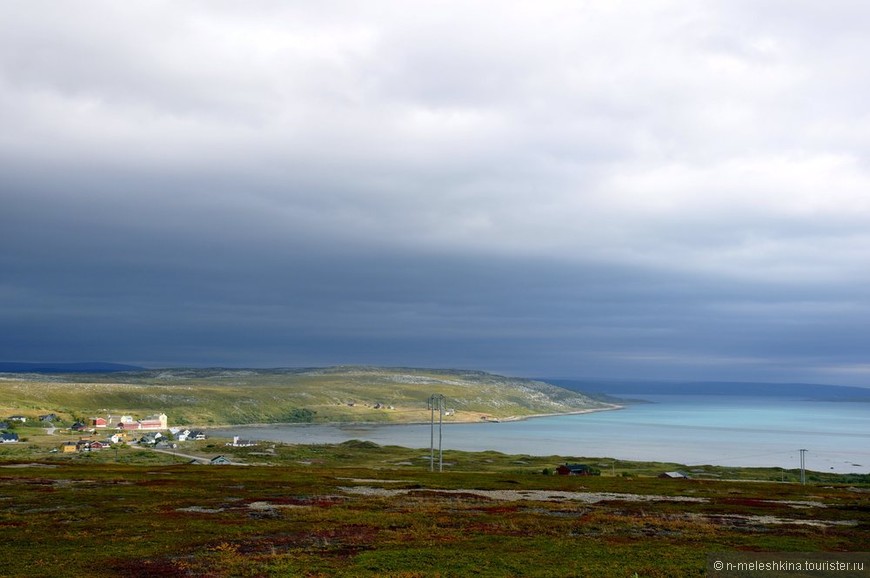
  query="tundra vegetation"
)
[{"x": 360, "y": 509}]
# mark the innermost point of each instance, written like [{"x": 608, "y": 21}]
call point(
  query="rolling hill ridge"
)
[{"x": 221, "y": 396}]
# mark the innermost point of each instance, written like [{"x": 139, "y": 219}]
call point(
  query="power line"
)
[
  {"x": 803, "y": 470},
  {"x": 436, "y": 400}
]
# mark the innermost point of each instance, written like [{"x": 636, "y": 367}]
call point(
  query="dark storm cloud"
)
[{"x": 670, "y": 190}]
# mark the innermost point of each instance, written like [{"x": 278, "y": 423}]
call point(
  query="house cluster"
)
[
  {"x": 84, "y": 445},
  {"x": 9, "y": 437},
  {"x": 153, "y": 430},
  {"x": 152, "y": 438},
  {"x": 120, "y": 429},
  {"x": 183, "y": 435},
  {"x": 127, "y": 423},
  {"x": 156, "y": 438},
  {"x": 123, "y": 423}
]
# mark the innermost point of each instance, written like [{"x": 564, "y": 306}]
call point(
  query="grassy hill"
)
[{"x": 236, "y": 396}]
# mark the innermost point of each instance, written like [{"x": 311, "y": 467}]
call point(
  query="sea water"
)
[{"x": 690, "y": 430}]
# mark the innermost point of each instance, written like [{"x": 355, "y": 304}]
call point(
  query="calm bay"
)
[{"x": 691, "y": 430}]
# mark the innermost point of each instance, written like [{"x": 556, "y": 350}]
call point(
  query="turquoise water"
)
[{"x": 692, "y": 430}]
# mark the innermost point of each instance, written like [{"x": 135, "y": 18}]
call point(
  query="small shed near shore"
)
[{"x": 674, "y": 475}]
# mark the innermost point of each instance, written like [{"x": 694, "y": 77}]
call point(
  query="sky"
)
[{"x": 657, "y": 190}]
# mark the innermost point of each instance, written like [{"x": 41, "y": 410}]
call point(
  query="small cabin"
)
[
  {"x": 9, "y": 438},
  {"x": 577, "y": 470}
]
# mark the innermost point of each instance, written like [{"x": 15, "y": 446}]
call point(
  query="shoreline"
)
[
  {"x": 512, "y": 418},
  {"x": 612, "y": 435},
  {"x": 611, "y": 407}
]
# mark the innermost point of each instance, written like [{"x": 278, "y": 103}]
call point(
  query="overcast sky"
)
[{"x": 657, "y": 189}]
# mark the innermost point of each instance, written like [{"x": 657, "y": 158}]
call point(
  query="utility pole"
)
[
  {"x": 803, "y": 467},
  {"x": 431, "y": 433},
  {"x": 436, "y": 400}
]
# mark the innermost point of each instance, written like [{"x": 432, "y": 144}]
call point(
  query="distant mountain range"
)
[
  {"x": 623, "y": 388},
  {"x": 84, "y": 367}
]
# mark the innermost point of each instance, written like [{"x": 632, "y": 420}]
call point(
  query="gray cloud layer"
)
[{"x": 664, "y": 189}]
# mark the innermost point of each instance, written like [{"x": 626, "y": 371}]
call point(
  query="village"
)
[
  {"x": 116, "y": 431},
  {"x": 98, "y": 433}
]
